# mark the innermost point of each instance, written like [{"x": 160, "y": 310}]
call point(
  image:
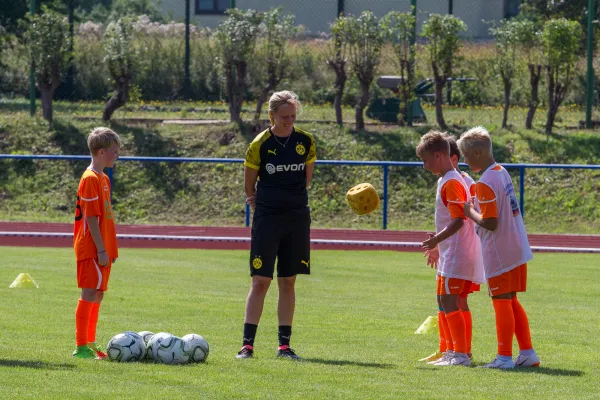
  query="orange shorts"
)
[
  {"x": 452, "y": 286},
  {"x": 514, "y": 280},
  {"x": 475, "y": 287},
  {"x": 91, "y": 275}
]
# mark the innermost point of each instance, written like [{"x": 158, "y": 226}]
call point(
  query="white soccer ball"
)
[
  {"x": 153, "y": 342},
  {"x": 169, "y": 350},
  {"x": 125, "y": 347},
  {"x": 195, "y": 347},
  {"x": 146, "y": 335}
]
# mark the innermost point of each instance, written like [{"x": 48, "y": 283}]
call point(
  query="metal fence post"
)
[
  {"x": 413, "y": 35},
  {"x": 340, "y": 8},
  {"x": 32, "y": 7},
  {"x": 522, "y": 190},
  {"x": 109, "y": 173},
  {"x": 385, "y": 195},
  {"x": 247, "y": 215},
  {"x": 589, "y": 87}
]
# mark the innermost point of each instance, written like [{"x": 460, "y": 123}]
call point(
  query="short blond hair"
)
[
  {"x": 102, "y": 138},
  {"x": 284, "y": 97},
  {"x": 433, "y": 142},
  {"x": 477, "y": 138}
]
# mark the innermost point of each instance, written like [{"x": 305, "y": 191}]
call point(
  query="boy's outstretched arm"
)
[
  {"x": 487, "y": 223},
  {"x": 444, "y": 234}
]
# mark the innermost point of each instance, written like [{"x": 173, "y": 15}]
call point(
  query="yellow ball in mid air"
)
[{"x": 363, "y": 198}]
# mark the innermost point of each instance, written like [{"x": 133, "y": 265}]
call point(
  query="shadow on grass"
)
[
  {"x": 166, "y": 177},
  {"x": 547, "y": 371},
  {"x": 36, "y": 364},
  {"x": 564, "y": 148},
  {"x": 347, "y": 363},
  {"x": 14, "y": 107},
  {"x": 539, "y": 370},
  {"x": 69, "y": 138}
]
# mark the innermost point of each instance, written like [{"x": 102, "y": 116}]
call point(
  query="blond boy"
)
[
  {"x": 95, "y": 239},
  {"x": 505, "y": 248}
]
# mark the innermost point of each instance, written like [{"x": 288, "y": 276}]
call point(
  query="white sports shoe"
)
[
  {"x": 523, "y": 361},
  {"x": 461, "y": 359},
  {"x": 457, "y": 359},
  {"x": 499, "y": 364},
  {"x": 447, "y": 355}
]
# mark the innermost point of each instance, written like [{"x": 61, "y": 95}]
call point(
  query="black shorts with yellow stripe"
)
[{"x": 284, "y": 237}]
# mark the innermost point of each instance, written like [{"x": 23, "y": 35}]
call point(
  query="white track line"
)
[{"x": 244, "y": 239}]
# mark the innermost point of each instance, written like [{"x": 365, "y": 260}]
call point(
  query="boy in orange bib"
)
[
  {"x": 459, "y": 249},
  {"x": 505, "y": 248},
  {"x": 445, "y": 343},
  {"x": 95, "y": 239}
]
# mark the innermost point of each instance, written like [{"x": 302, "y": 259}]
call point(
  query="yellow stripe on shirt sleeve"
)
[{"x": 247, "y": 164}]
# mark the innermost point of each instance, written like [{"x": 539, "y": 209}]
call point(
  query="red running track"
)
[{"x": 192, "y": 237}]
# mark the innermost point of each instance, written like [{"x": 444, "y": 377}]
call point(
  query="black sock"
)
[
  {"x": 285, "y": 332},
  {"x": 249, "y": 334}
]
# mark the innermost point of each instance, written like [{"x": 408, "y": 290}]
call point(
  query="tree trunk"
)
[
  {"x": 47, "y": 89},
  {"x": 337, "y": 103},
  {"x": 551, "y": 114},
  {"x": 550, "y": 117},
  {"x": 119, "y": 99},
  {"x": 339, "y": 67},
  {"x": 236, "y": 85},
  {"x": 406, "y": 90},
  {"x": 439, "y": 98},
  {"x": 259, "y": 103},
  {"x": 557, "y": 91},
  {"x": 362, "y": 103},
  {"x": 47, "y": 93},
  {"x": 535, "y": 72},
  {"x": 507, "y": 87},
  {"x": 272, "y": 83},
  {"x": 234, "y": 115},
  {"x": 340, "y": 84}
]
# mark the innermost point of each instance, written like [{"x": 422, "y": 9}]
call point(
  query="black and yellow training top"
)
[{"x": 281, "y": 164}]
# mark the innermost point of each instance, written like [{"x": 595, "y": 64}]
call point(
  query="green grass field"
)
[{"x": 355, "y": 322}]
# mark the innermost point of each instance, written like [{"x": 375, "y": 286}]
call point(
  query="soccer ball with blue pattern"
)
[
  {"x": 126, "y": 347},
  {"x": 195, "y": 347},
  {"x": 146, "y": 335},
  {"x": 153, "y": 342},
  {"x": 169, "y": 350}
]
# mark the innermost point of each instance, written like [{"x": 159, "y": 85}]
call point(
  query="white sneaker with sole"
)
[
  {"x": 499, "y": 364},
  {"x": 461, "y": 359},
  {"x": 445, "y": 356},
  {"x": 456, "y": 360},
  {"x": 523, "y": 361}
]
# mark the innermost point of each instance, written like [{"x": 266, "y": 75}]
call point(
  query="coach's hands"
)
[
  {"x": 103, "y": 258},
  {"x": 251, "y": 201},
  {"x": 433, "y": 257}
]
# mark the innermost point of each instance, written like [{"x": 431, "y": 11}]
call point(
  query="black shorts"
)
[{"x": 285, "y": 237}]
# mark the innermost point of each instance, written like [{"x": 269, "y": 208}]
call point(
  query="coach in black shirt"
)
[{"x": 278, "y": 169}]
